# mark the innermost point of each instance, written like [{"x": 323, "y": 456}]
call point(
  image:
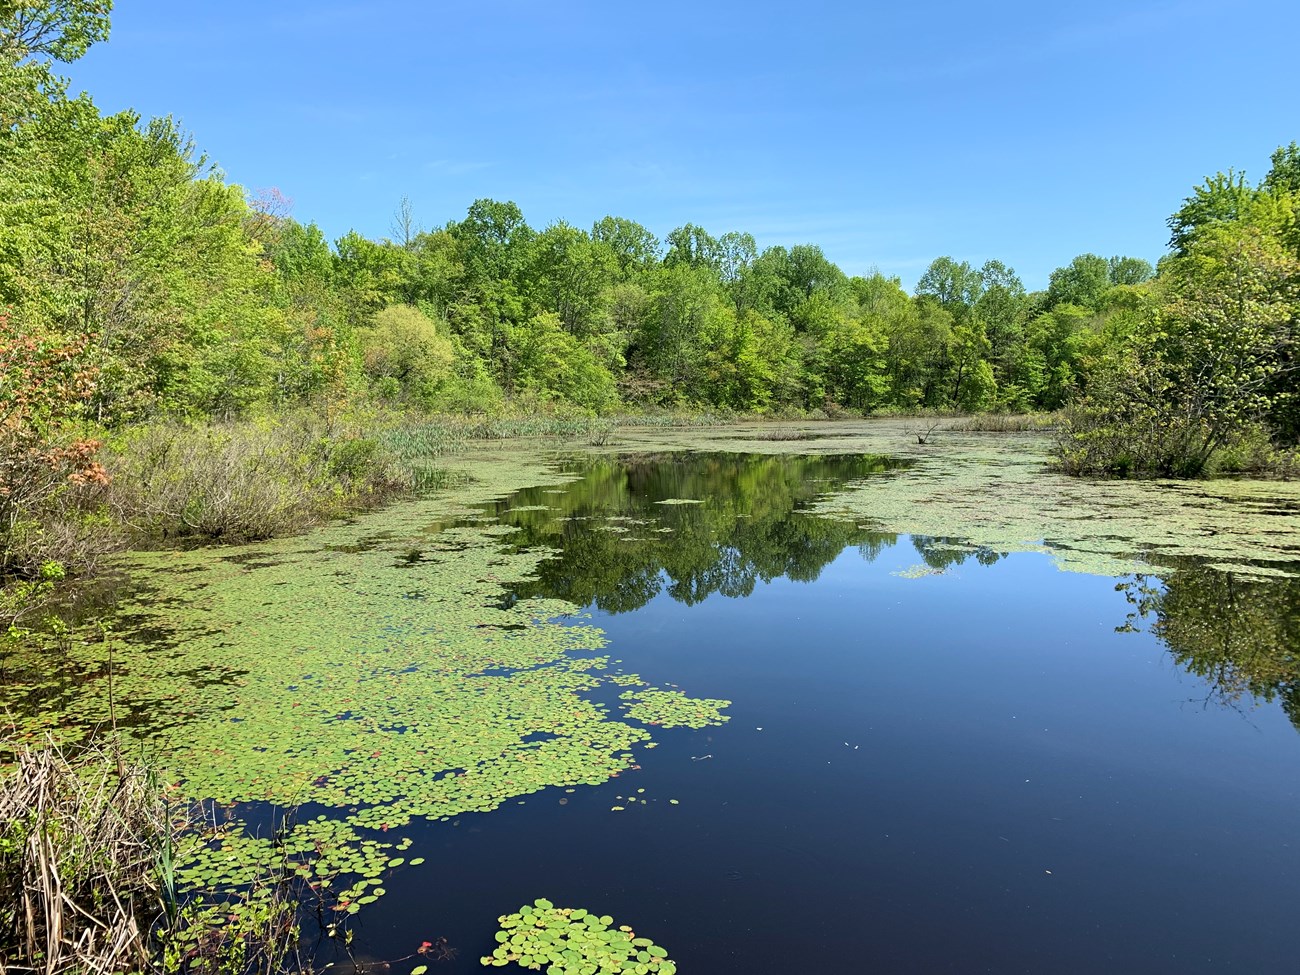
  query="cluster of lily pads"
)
[
  {"x": 322, "y": 852},
  {"x": 573, "y": 941},
  {"x": 673, "y": 709}
]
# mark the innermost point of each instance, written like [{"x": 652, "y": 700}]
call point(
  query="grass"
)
[
  {"x": 88, "y": 849},
  {"x": 79, "y": 882},
  {"x": 785, "y": 433},
  {"x": 438, "y": 436},
  {"x": 1007, "y": 423},
  {"x": 245, "y": 481}
]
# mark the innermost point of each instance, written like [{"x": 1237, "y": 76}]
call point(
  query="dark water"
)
[{"x": 970, "y": 771}]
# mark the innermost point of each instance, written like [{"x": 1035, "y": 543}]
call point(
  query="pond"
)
[{"x": 673, "y": 687}]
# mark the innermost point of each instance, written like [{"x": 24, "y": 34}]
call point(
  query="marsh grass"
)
[
  {"x": 246, "y": 481},
  {"x": 785, "y": 433},
  {"x": 429, "y": 438},
  {"x": 88, "y": 850},
  {"x": 79, "y": 842},
  {"x": 1007, "y": 423}
]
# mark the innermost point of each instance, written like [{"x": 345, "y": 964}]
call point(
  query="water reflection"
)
[
  {"x": 1239, "y": 634},
  {"x": 691, "y": 525}
]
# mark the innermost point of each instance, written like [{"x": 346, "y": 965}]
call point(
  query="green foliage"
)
[
  {"x": 1130, "y": 270},
  {"x": 1212, "y": 359},
  {"x": 955, "y": 285},
  {"x": 573, "y": 941},
  {"x": 403, "y": 346},
  {"x": 1222, "y": 198},
  {"x": 554, "y": 365},
  {"x": 58, "y": 29},
  {"x": 1082, "y": 282},
  {"x": 635, "y": 248}
]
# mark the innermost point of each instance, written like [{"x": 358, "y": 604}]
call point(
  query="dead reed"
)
[{"x": 79, "y": 872}]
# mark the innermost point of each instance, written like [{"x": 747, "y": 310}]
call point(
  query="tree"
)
[
  {"x": 1215, "y": 358},
  {"x": 1082, "y": 282},
  {"x": 569, "y": 274},
  {"x": 116, "y": 231},
  {"x": 1130, "y": 270},
  {"x": 373, "y": 274},
  {"x": 634, "y": 247},
  {"x": 59, "y": 29},
  {"x": 1001, "y": 306},
  {"x": 1285, "y": 171},
  {"x": 404, "y": 227},
  {"x": 554, "y": 365},
  {"x": 405, "y": 355},
  {"x": 495, "y": 239},
  {"x": 955, "y": 285},
  {"x": 694, "y": 247},
  {"x": 1222, "y": 198},
  {"x": 668, "y": 345}
]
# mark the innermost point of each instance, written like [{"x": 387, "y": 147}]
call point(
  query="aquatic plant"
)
[
  {"x": 673, "y": 709},
  {"x": 573, "y": 941}
]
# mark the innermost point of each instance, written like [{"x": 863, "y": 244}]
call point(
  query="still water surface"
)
[{"x": 937, "y": 760}]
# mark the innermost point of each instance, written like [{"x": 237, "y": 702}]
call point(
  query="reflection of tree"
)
[
  {"x": 943, "y": 553},
  {"x": 1240, "y": 634},
  {"x": 747, "y": 529}
]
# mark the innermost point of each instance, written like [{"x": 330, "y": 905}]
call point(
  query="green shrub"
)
[{"x": 245, "y": 481}]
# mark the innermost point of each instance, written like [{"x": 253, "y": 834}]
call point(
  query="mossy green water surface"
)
[{"x": 997, "y": 490}]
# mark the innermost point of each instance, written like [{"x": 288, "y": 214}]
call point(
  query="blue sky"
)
[{"x": 888, "y": 133}]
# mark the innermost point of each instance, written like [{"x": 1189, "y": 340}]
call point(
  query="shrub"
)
[
  {"x": 245, "y": 481},
  {"x": 49, "y": 475}
]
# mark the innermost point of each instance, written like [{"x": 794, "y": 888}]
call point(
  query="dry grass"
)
[
  {"x": 1007, "y": 423},
  {"x": 87, "y": 879},
  {"x": 245, "y": 481},
  {"x": 79, "y": 880}
]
